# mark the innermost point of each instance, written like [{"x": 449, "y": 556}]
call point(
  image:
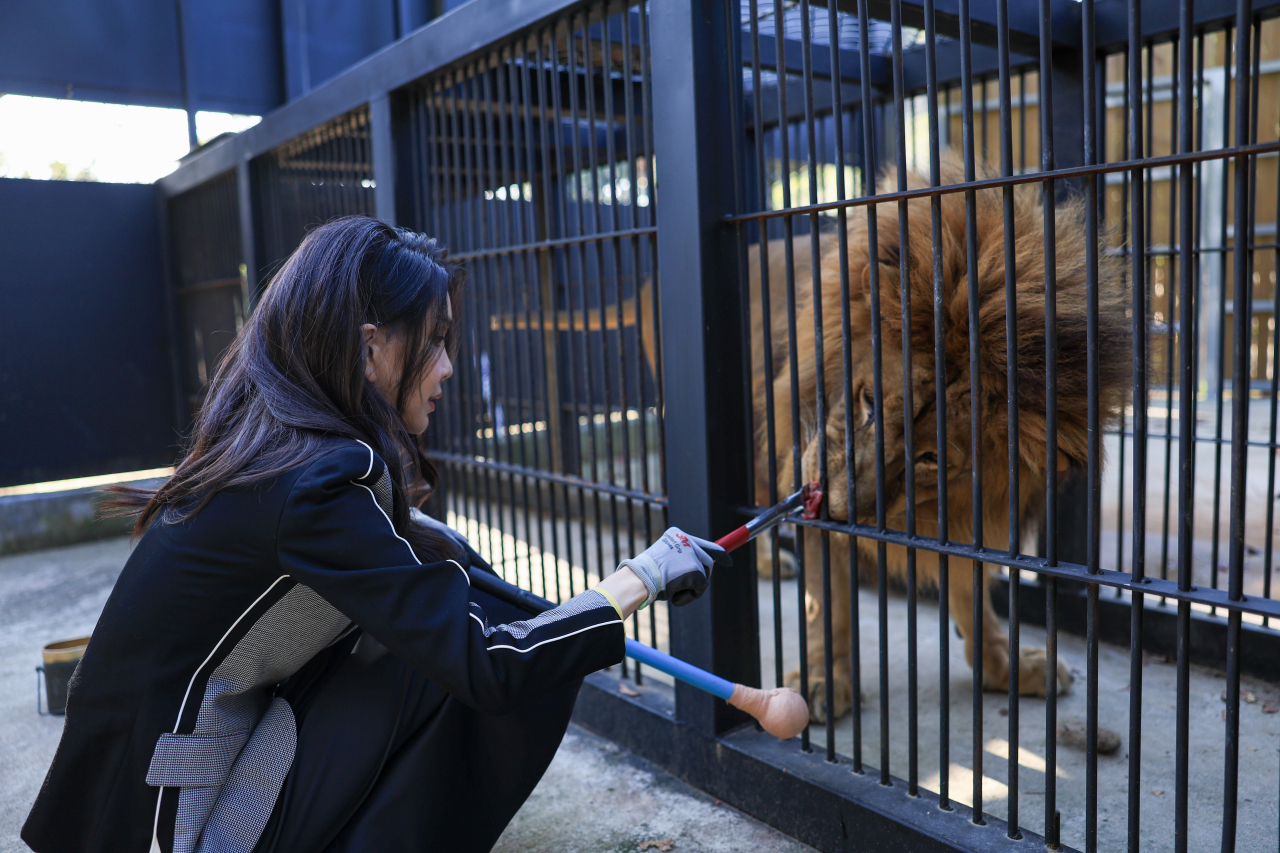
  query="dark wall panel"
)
[
  {"x": 340, "y": 34},
  {"x": 86, "y": 379},
  {"x": 127, "y": 52}
]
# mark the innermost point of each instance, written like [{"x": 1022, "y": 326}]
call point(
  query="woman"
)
[{"x": 289, "y": 661}]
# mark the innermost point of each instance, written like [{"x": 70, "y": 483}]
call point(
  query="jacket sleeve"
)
[{"x": 336, "y": 537}]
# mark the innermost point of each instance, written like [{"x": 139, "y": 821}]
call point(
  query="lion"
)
[{"x": 1114, "y": 356}]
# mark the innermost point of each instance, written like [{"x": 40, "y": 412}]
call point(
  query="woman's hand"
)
[{"x": 677, "y": 567}]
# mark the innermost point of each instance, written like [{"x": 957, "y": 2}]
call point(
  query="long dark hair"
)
[{"x": 295, "y": 374}]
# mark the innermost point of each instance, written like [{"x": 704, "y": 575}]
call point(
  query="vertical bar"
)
[
  {"x": 513, "y": 233},
  {"x": 1048, "y": 200},
  {"x": 576, "y": 259},
  {"x": 547, "y": 268},
  {"x": 1011, "y": 359},
  {"x": 766, "y": 329},
  {"x": 794, "y": 367},
  {"x": 974, "y": 643},
  {"x": 1138, "y": 270},
  {"x": 493, "y": 99},
  {"x": 940, "y": 405},
  {"x": 479, "y": 157},
  {"x": 700, "y": 311},
  {"x": 811, "y": 154},
  {"x": 619, "y": 276},
  {"x": 882, "y": 575},
  {"x": 1268, "y": 544},
  {"x": 646, "y": 99},
  {"x": 1221, "y": 354},
  {"x": 248, "y": 232},
  {"x": 1186, "y": 432},
  {"x": 1242, "y": 322},
  {"x": 1022, "y": 122},
  {"x": 1090, "y": 114},
  {"x": 1168, "y": 337},
  {"x": 597, "y": 246},
  {"x": 846, "y": 350},
  {"x": 486, "y": 235},
  {"x": 908, "y": 410},
  {"x": 1120, "y": 426},
  {"x": 533, "y": 291}
]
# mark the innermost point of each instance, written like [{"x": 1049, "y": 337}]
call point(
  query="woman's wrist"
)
[{"x": 627, "y": 590}]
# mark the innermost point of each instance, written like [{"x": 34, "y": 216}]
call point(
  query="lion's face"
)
[{"x": 924, "y": 458}]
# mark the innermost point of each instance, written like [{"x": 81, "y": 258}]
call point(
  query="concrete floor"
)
[
  {"x": 594, "y": 798},
  {"x": 1259, "y": 733}
]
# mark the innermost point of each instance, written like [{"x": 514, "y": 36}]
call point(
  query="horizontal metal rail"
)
[
  {"x": 1104, "y": 577},
  {"x": 1014, "y": 180},
  {"x": 557, "y": 243},
  {"x": 546, "y": 476}
]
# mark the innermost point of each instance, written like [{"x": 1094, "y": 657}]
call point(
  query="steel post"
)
[{"x": 706, "y": 384}]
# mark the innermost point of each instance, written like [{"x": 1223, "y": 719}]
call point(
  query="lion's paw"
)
[
  {"x": 1032, "y": 671},
  {"x": 842, "y": 693}
]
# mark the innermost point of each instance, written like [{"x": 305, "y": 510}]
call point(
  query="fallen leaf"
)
[
  {"x": 1158, "y": 793},
  {"x": 1249, "y": 696},
  {"x": 1004, "y": 712},
  {"x": 662, "y": 845},
  {"x": 1270, "y": 709},
  {"x": 628, "y": 690}
]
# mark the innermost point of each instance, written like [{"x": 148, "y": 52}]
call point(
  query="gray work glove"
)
[{"x": 677, "y": 567}]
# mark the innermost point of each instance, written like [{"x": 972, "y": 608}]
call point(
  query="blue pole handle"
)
[{"x": 676, "y": 668}]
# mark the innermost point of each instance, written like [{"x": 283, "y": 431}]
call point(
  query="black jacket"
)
[{"x": 176, "y": 732}]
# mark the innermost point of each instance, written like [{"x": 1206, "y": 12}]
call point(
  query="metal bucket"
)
[{"x": 60, "y": 660}]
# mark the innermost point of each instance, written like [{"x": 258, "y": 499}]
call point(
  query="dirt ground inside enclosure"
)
[
  {"x": 1259, "y": 730},
  {"x": 1118, "y": 519}
]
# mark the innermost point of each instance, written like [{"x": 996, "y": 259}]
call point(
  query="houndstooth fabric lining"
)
[
  {"x": 250, "y": 792},
  {"x": 194, "y": 761},
  {"x": 288, "y": 635},
  {"x": 587, "y": 601},
  {"x": 382, "y": 491}
]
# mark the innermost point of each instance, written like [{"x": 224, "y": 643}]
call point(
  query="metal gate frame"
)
[{"x": 696, "y": 45}]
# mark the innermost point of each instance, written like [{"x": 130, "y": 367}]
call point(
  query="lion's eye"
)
[
  {"x": 868, "y": 406},
  {"x": 928, "y": 458}
]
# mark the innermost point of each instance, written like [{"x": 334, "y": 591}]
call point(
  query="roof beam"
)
[
  {"x": 1024, "y": 22},
  {"x": 820, "y": 57}
]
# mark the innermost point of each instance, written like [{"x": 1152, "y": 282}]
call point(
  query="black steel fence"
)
[
  {"x": 531, "y": 162},
  {"x": 971, "y": 265},
  {"x": 209, "y": 280}
]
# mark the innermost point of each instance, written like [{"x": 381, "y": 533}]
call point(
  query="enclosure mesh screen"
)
[{"x": 534, "y": 164}]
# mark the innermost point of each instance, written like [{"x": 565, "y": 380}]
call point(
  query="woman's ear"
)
[{"x": 373, "y": 344}]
